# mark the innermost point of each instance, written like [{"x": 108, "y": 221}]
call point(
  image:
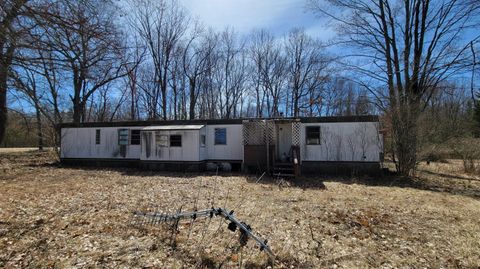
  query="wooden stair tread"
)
[
  {"x": 284, "y": 175},
  {"x": 283, "y": 168}
]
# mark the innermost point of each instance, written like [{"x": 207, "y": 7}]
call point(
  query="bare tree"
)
[
  {"x": 196, "y": 63},
  {"x": 261, "y": 41},
  {"x": 273, "y": 77},
  {"x": 131, "y": 79},
  {"x": 177, "y": 83},
  {"x": 408, "y": 46},
  {"x": 161, "y": 25},
  {"x": 363, "y": 105},
  {"x": 86, "y": 43},
  {"x": 305, "y": 64},
  {"x": 27, "y": 83},
  {"x": 11, "y": 32},
  {"x": 231, "y": 72},
  {"x": 149, "y": 92},
  {"x": 37, "y": 77},
  {"x": 268, "y": 72}
]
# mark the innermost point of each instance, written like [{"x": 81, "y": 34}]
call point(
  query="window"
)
[
  {"x": 123, "y": 136},
  {"x": 97, "y": 137},
  {"x": 175, "y": 140},
  {"x": 203, "y": 140},
  {"x": 220, "y": 136},
  {"x": 313, "y": 135},
  {"x": 161, "y": 140},
  {"x": 135, "y": 137}
]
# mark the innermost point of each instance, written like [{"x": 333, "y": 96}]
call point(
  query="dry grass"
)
[
  {"x": 14, "y": 150},
  {"x": 52, "y": 216}
]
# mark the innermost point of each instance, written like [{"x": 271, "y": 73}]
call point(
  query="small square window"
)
[
  {"x": 203, "y": 140},
  {"x": 313, "y": 135},
  {"x": 123, "y": 136},
  {"x": 97, "y": 137},
  {"x": 220, "y": 136},
  {"x": 175, "y": 140},
  {"x": 135, "y": 137},
  {"x": 161, "y": 140}
]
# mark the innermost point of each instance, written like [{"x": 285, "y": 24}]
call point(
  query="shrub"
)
[{"x": 469, "y": 151}]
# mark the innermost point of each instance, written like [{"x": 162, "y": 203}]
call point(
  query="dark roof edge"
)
[
  {"x": 368, "y": 118},
  {"x": 365, "y": 118}
]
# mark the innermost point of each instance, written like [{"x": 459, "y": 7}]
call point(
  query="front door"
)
[{"x": 284, "y": 141}]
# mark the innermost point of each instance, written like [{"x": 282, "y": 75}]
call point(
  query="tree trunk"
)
[
  {"x": 295, "y": 98},
  {"x": 5, "y": 62},
  {"x": 3, "y": 100},
  {"x": 7, "y": 49},
  {"x": 39, "y": 127},
  {"x": 296, "y": 110},
  {"x": 192, "y": 100},
  {"x": 77, "y": 110},
  {"x": 175, "y": 105},
  {"x": 133, "y": 105},
  {"x": 405, "y": 137},
  {"x": 164, "y": 105}
]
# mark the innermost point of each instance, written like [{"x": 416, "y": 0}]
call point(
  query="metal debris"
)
[{"x": 234, "y": 223}]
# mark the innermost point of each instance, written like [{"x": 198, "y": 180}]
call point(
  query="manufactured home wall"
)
[
  {"x": 344, "y": 141},
  {"x": 188, "y": 152},
  {"x": 340, "y": 141},
  {"x": 203, "y": 149},
  {"x": 80, "y": 143},
  {"x": 233, "y": 150}
]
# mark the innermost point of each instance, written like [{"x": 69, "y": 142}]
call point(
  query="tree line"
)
[{"x": 91, "y": 60}]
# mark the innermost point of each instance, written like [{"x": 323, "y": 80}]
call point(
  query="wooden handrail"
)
[{"x": 295, "y": 150}]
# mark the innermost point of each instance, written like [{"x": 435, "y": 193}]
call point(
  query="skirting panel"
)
[
  {"x": 308, "y": 167},
  {"x": 174, "y": 166},
  {"x": 130, "y": 163}
]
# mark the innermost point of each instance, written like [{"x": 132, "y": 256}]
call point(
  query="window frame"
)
[
  {"x": 157, "y": 140},
  {"x": 98, "y": 136},
  {"x": 203, "y": 140},
  {"x": 308, "y": 130},
  {"x": 137, "y": 140},
  {"x": 170, "y": 141},
  {"x": 215, "y": 137},
  {"x": 127, "y": 139}
]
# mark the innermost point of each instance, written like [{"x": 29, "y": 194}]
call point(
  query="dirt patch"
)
[{"x": 51, "y": 216}]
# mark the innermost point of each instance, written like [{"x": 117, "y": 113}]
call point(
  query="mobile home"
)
[{"x": 284, "y": 146}]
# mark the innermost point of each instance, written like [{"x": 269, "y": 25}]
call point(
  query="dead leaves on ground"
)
[{"x": 80, "y": 217}]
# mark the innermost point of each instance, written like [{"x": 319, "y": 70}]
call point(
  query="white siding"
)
[
  {"x": 233, "y": 150},
  {"x": 189, "y": 151},
  {"x": 203, "y": 149},
  {"x": 80, "y": 143},
  {"x": 343, "y": 141}
]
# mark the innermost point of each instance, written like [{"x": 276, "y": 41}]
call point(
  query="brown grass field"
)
[{"x": 76, "y": 217}]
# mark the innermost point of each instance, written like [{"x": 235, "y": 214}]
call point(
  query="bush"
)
[
  {"x": 469, "y": 151},
  {"x": 432, "y": 156}
]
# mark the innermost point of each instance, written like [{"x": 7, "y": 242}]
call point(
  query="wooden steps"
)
[{"x": 284, "y": 170}]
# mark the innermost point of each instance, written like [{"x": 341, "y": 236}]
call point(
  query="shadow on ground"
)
[
  {"x": 435, "y": 182},
  {"x": 449, "y": 185},
  {"x": 427, "y": 180},
  {"x": 447, "y": 175}
]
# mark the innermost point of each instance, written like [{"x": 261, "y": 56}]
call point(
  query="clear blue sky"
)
[{"x": 278, "y": 16}]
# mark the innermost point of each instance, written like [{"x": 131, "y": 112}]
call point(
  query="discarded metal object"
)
[
  {"x": 260, "y": 178},
  {"x": 234, "y": 223}
]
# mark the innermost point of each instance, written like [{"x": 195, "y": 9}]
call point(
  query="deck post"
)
[{"x": 267, "y": 138}]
